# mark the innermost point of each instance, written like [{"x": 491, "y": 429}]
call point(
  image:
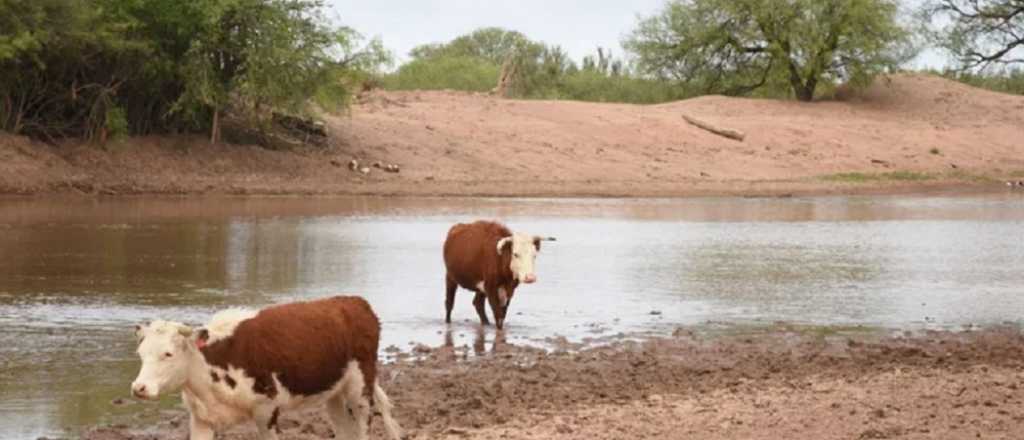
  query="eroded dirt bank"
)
[
  {"x": 905, "y": 133},
  {"x": 782, "y": 384}
]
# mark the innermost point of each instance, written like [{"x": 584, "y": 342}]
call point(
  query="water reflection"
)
[{"x": 480, "y": 336}]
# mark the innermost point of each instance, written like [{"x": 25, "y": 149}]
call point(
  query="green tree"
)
[
  {"x": 90, "y": 68},
  {"x": 493, "y": 44},
  {"x": 536, "y": 66},
  {"x": 738, "y": 46},
  {"x": 980, "y": 33}
]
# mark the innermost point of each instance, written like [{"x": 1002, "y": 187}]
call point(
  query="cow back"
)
[{"x": 306, "y": 345}]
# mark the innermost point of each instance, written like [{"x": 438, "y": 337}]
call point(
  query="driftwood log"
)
[{"x": 724, "y": 132}]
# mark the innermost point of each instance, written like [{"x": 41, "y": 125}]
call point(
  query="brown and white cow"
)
[
  {"x": 489, "y": 259},
  {"x": 248, "y": 365}
]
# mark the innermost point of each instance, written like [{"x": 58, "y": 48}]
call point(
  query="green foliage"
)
[
  {"x": 878, "y": 177},
  {"x": 76, "y": 68},
  {"x": 737, "y": 47},
  {"x": 444, "y": 72},
  {"x": 596, "y": 87},
  {"x": 116, "y": 123},
  {"x": 979, "y": 33},
  {"x": 474, "y": 62},
  {"x": 1005, "y": 81},
  {"x": 491, "y": 44}
]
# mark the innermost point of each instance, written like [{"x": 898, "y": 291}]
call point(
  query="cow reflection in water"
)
[{"x": 479, "y": 341}]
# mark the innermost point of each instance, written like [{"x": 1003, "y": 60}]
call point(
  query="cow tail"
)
[{"x": 383, "y": 404}]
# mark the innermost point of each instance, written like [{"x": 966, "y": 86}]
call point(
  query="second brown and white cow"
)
[
  {"x": 487, "y": 258},
  {"x": 247, "y": 365}
]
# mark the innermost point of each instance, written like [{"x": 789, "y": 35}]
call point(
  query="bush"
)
[
  {"x": 444, "y": 72},
  {"x": 598, "y": 87},
  {"x": 1010, "y": 81}
]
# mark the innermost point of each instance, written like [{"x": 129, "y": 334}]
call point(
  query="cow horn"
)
[
  {"x": 185, "y": 330},
  {"x": 501, "y": 243}
]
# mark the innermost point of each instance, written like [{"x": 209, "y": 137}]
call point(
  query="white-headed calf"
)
[{"x": 253, "y": 365}]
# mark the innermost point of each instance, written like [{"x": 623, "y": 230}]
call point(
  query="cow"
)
[
  {"x": 487, "y": 258},
  {"x": 252, "y": 365}
]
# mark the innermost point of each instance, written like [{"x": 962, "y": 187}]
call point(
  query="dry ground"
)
[{"x": 450, "y": 143}]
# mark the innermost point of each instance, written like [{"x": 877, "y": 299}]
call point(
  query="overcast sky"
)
[{"x": 579, "y": 26}]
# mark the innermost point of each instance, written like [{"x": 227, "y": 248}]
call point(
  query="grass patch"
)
[
  {"x": 1018, "y": 173},
  {"x": 895, "y": 176}
]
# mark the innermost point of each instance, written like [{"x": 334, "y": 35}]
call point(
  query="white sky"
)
[{"x": 579, "y": 26}]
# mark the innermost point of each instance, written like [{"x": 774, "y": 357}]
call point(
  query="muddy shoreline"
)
[{"x": 788, "y": 382}]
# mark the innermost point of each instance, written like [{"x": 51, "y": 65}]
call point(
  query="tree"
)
[
  {"x": 535, "y": 65},
  {"x": 980, "y": 33},
  {"x": 738, "y": 46},
  {"x": 84, "y": 68},
  {"x": 492, "y": 44}
]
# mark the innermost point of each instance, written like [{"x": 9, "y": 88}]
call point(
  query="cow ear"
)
[{"x": 505, "y": 241}]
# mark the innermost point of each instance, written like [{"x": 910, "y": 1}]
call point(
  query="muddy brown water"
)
[{"x": 75, "y": 274}]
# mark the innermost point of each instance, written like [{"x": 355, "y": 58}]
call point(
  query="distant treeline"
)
[
  {"x": 476, "y": 62},
  {"x": 798, "y": 49},
  {"x": 96, "y": 69}
]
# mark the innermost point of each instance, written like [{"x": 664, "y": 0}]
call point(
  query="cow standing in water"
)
[
  {"x": 248, "y": 365},
  {"x": 487, "y": 258}
]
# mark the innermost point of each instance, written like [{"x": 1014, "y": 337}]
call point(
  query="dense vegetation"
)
[
  {"x": 100, "y": 68},
  {"x": 476, "y": 61},
  {"x": 96, "y": 69}
]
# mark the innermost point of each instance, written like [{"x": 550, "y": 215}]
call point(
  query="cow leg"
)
[
  {"x": 505, "y": 299},
  {"x": 449, "y": 299},
  {"x": 266, "y": 422},
  {"x": 478, "y": 302},
  {"x": 350, "y": 408},
  {"x": 198, "y": 429},
  {"x": 497, "y": 309},
  {"x": 346, "y": 426},
  {"x": 382, "y": 406}
]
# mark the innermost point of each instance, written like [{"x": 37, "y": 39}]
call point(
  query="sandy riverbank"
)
[{"x": 907, "y": 133}]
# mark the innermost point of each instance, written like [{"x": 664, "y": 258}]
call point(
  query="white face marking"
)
[
  {"x": 165, "y": 354},
  {"x": 480, "y": 286},
  {"x": 524, "y": 254}
]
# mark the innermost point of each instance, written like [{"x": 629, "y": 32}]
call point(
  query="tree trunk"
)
[
  {"x": 215, "y": 128},
  {"x": 805, "y": 92}
]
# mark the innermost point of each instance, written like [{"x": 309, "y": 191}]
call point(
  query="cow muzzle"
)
[
  {"x": 529, "y": 279},
  {"x": 141, "y": 391}
]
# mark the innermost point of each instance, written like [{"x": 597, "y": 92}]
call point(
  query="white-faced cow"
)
[
  {"x": 487, "y": 258},
  {"x": 248, "y": 365}
]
